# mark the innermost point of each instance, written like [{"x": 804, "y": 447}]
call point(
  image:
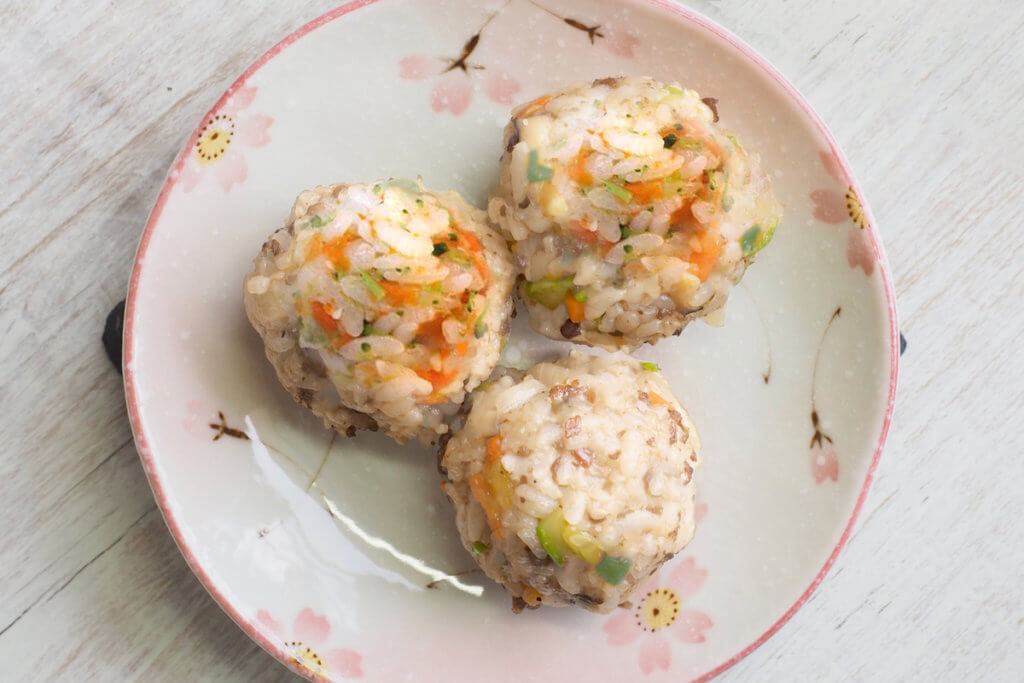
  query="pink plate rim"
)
[{"x": 131, "y": 392}]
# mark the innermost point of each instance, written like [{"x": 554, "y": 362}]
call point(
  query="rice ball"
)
[
  {"x": 574, "y": 482},
  {"x": 630, "y": 210},
  {"x": 381, "y": 305}
]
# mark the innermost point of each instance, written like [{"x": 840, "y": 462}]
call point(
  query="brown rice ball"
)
[
  {"x": 381, "y": 305},
  {"x": 631, "y": 211},
  {"x": 574, "y": 482}
]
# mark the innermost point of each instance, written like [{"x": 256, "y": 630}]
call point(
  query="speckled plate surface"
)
[{"x": 339, "y": 556}]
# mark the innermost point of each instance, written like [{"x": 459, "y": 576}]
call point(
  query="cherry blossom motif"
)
[
  {"x": 860, "y": 252},
  {"x": 621, "y": 43},
  {"x": 215, "y": 146},
  {"x": 501, "y": 87},
  {"x": 306, "y": 643},
  {"x": 452, "y": 93},
  {"x": 829, "y": 206},
  {"x": 700, "y": 511},
  {"x": 824, "y": 463},
  {"x": 197, "y": 418},
  {"x": 831, "y": 165},
  {"x": 658, "y": 610}
]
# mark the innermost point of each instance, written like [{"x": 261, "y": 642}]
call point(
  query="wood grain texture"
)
[{"x": 926, "y": 99}]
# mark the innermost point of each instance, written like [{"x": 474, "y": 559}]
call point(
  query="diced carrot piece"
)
[
  {"x": 398, "y": 293},
  {"x": 492, "y": 450},
  {"x": 575, "y": 308},
  {"x": 533, "y": 107},
  {"x": 703, "y": 262},
  {"x": 646, "y": 192},
  {"x": 531, "y": 595},
  {"x": 488, "y": 501},
  {"x": 335, "y": 252},
  {"x": 322, "y": 316},
  {"x": 462, "y": 348},
  {"x": 577, "y": 169},
  {"x": 657, "y": 400},
  {"x": 314, "y": 248}
]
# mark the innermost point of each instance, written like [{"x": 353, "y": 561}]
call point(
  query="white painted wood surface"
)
[{"x": 927, "y": 99}]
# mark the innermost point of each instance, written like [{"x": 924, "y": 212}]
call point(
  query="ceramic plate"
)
[{"x": 340, "y": 556}]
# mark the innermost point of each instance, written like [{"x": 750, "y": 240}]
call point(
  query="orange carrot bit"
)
[
  {"x": 574, "y": 307},
  {"x": 703, "y": 262},
  {"x": 657, "y": 400},
  {"x": 577, "y": 169},
  {"x": 646, "y": 192},
  {"x": 335, "y": 252},
  {"x": 462, "y": 348},
  {"x": 398, "y": 293},
  {"x": 314, "y": 248},
  {"x": 492, "y": 450},
  {"x": 322, "y": 316},
  {"x": 531, "y": 595},
  {"x": 581, "y": 231},
  {"x": 488, "y": 501},
  {"x": 533, "y": 107}
]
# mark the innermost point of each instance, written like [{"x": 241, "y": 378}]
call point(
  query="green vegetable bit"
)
[
  {"x": 372, "y": 285},
  {"x": 460, "y": 257},
  {"x": 580, "y": 295},
  {"x": 549, "y": 533},
  {"x": 479, "y": 327},
  {"x": 674, "y": 90},
  {"x": 582, "y": 544},
  {"x": 613, "y": 569},
  {"x": 689, "y": 143},
  {"x": 403, "y": 184},
  {"x": 652, "y": 367},
  {"x": 535, "y": 171},
  {"x": 670, "y": 140},
  {"x": 365, "y": 346},
  {"x": 628, "y": 248},
  {"x": 548, "y": 293},
  {"x": 727, "y": 202},
  {"x": 320, "y": 221},
  {"x": 618, "y": 191},
  {"x": 757, "y": 238},
  {"x": 479, "y": 547},
  {"x": 367, "y": 329},
  {"x": 440, "y": 248}
]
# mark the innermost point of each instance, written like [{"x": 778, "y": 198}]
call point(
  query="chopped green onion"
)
[
  {"x": 651, "y": 367},
  {"x": 689, "y": 143},
  {"x": 678, "y": 126},
  {"x": 535, "y": 171},
  {"x": 460, "y": 257},
  {"x": 674, "y": 90},
  {"x": 372, "y": 285},
  {"x": 365, "y": 346},
  {"x": 580, "y": 295},
  {"x": 419, "y": 202},
  {"x": 549, "y": 533},
  {"x": 749, "y": 239},
  {"x": 479, "y": 327},
  {"x": 712, "y": 180},
  {"x": 670, "y": 140},
  {"x": 316, "y": 222},
  {"x": 548, "y": 293},
  {"x": 613, "y": 569},
  {"x": 618, "y": 191},
  {"x": 453, "y": 236},
  {"x": 628, "y": 248},
  {"x": 479, "y": 547},
  {"x": 440, "y": 248},
  {"x": 367, "y": 329},
  {"x": 403, "y": 184}
]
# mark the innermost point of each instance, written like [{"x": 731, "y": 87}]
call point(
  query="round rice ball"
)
[
  {"x": 381, "y": 305},
  {"x": 630, "y": 210},
  {"x": 574, "y": 483}
]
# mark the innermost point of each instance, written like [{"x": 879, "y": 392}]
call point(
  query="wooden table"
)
[{"x": 927, "y": 99}]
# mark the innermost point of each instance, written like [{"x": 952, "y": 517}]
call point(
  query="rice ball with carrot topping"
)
[
  {"x": 573, "y": 483},
  {"x": 630, "y": 210},
  {"x": 381, "y": 305}
]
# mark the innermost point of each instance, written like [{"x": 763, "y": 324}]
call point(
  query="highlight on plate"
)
[
  {"x": 630, "y": 211},
  {"x": 385, "y": 306}
]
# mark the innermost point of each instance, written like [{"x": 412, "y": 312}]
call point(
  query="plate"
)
[{"x": 339, "y": 556}]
